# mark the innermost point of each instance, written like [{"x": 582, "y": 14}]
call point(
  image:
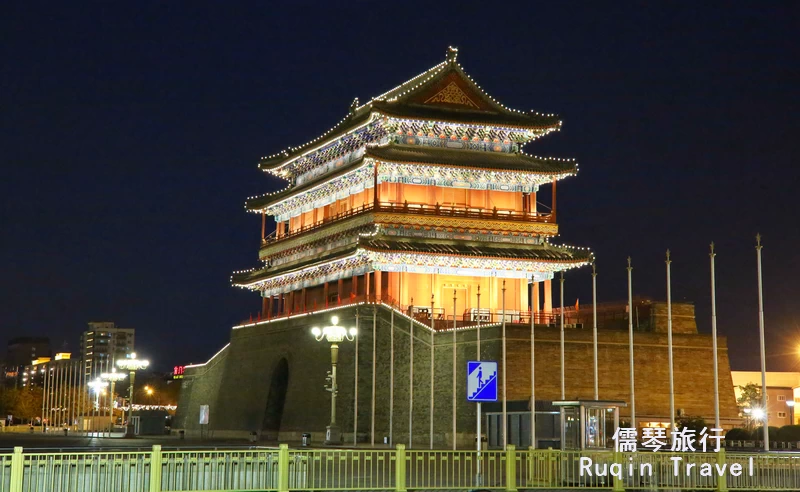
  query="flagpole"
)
[
  {"x": 505, "y": 413},
  {"x": 478, "y": 440},
  {"x": 355, "y": 387},
  {"x": 411, "y": 377},
  {"x": 454, "y": 369},
  {"x": 563, "y": 386},
  {"x": 534, "y": 285},
  {"x": 374, "y": 366},
  {"x": 630, "y": 344},
  {"x": 433, "y": 331},
  {"x": 669, "y": 346},
  {"x": 594, "y": 328},
  {"x": 714, "y": 338},
  {"x": 44, "y": 395},
  {"x": 761, "y": 340},
  {"x": 391, "y": 377}
]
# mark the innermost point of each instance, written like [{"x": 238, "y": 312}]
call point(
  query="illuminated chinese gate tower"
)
[{"x": 420, "y": 193}]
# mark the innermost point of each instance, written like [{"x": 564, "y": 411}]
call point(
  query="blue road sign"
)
[{"x": 481, "y": 381}]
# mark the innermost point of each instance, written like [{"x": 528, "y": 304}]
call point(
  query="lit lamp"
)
[
  {"x": 132, "y": 364},
  {"x": 112, "y": 377},
  {"x": 334, "y": 334},
  {"x": 98, "y": 385}
]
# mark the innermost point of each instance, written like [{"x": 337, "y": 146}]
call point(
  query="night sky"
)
[{"x": 129, "y": 140}]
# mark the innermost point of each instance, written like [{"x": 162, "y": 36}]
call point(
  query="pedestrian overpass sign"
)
[{"x": 481, "y": 380}]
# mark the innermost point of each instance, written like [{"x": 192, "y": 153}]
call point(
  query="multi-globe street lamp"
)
[
  {"x": 98, "y": 385},
  {"x": 132, "y": 364},
  {"x": 333, "y": 334},
  {"x": 112, "y": 377}
]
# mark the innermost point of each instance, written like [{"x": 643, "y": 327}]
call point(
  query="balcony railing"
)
[
  {"x": 441, "y": 320},
  {"x": 437, "y": 210}
]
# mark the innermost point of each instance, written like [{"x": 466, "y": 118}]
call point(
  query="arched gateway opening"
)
[{"x": 273, "y": 414}]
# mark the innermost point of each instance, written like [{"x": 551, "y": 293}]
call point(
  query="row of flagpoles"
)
[{"x": 668, "y": 262}]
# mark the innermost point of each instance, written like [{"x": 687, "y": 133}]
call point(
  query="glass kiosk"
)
[{"x": 586, "y": 425}]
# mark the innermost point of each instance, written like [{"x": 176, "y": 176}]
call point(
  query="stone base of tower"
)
[{"x": 269, "y": 379}]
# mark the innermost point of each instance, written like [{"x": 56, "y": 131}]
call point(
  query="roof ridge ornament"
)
[
  {"x": 353, "y": 106},
  {"x": 452, "y": 54},
  {"x": 452, "y": 94}
]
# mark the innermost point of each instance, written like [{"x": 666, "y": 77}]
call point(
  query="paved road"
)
[
  {"x": 32, "y": 442},
  {"x": 38, "y": 441}
]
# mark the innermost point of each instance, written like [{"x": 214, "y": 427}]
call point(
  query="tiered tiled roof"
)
[
  {"x": 443, "y": 93},
  {"x": 546, "y": 253},
  {"x": 420, "y": 154},
  {"x": 503, "y": 161}
]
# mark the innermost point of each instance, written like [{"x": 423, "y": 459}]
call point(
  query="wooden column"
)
[
  {"x": 354, "y": 286},
  {"x": 339, "y": 289},
  {"x": 532, "y": 198},
  {"x": 263, "y": 225},
  {"x": 325, "y": 293},
  {"x": 553, "y": 211},
  {"x": 366, "y": 285},
  {"x": 548, "y": 297},
  {"x": 378, "y": 284},
  {"x": 291, "y": 303},
  {"x": 264, "y": 304},
  {"x": 303, "y": 299},
  {"x": 269, "y": 307},
  {"x": 393, "y": 287},
  {"x": 376, "y": 184}
]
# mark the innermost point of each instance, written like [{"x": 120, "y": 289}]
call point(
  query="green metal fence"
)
[
  {"x": 339, "y": 469},
  {"x": 90, "y": 472},
  {"x": 399, "y": 469},
  {"x": 217, "y": 470}
]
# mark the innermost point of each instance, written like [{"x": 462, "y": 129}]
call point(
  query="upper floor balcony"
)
[{"x": 449, "y": 211}]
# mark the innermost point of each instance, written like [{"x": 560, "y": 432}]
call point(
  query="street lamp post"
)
[
  {"x": 748, "y": 416},
  {"x": 758, "y": 414},
  {"x": 132, "y": 364},
  {"x": 98, "y": 385},
  {"x": 334, "y": 334},
  {"x": 112, "y": 377}
]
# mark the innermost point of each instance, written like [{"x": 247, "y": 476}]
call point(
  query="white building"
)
[
  {"x": 783, "y": 390},
  {"x": 103, "y": 344}
]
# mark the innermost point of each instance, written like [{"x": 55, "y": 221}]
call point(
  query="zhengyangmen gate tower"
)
[{"x": 415, "y": 218}]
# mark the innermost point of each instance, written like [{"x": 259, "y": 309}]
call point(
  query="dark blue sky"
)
[{"x": 129, "y": 139}]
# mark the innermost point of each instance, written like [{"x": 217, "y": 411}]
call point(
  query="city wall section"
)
[{"x": 269, "y": 379}]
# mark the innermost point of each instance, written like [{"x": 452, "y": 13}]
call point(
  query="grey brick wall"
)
[{"x": 236, "y": 383}]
